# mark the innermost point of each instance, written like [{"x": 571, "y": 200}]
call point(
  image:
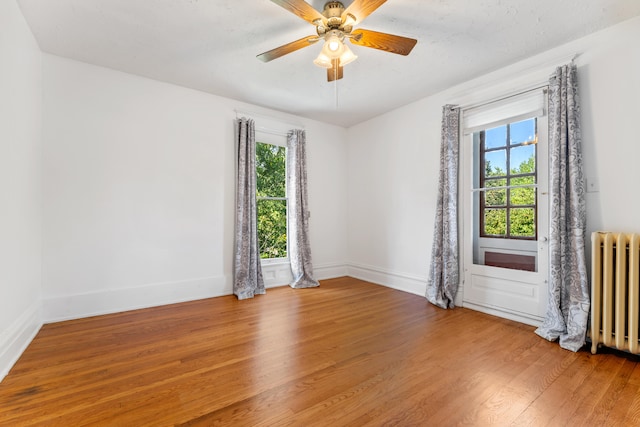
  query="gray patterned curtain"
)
[
  {"x": 247, "y": 280},
  {"x": 442, "y": 283},
  {"x": 299, "y": 247},
  {"x": 568, "y": 307}
]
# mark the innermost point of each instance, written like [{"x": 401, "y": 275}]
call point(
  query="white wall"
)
[
  {"x": 20, "y": 185},
  {"x": 393, "y": 169},
  {"x": 609, "y": 77},
  {"x": 139, "y": 191},
  {"x": 393, "y": 160}
]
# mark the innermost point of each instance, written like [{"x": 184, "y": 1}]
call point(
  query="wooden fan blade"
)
[
  {"x": 287, "y": 48},
  {"x": 302, "y": 9},
  {"x": 383, "y": 41},
  {"x": 336, "y": 72},
  {"x": 360, "y": 9}
]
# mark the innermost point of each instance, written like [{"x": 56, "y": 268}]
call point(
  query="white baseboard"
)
[
  {"x": 329, "y": 271},
  {"x": 68, "y": 307},
  {"x": 400, "y": 281},
  {"x": 17, "y": 337},
  {"x": 56, "y": 309},
  {"x": 505, "y": 314}
]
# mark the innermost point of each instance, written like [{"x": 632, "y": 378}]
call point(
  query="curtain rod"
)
[
  {"x": 538, "y": 86},
  {"x": 254, "y": 115},
  {"x": 270, "y": 131}
]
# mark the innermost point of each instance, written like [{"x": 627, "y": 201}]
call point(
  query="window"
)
[
  {"x": 508, "y": 164},
  {"x": 505, "y": 153},
  {"x": 271, "y": 200}
]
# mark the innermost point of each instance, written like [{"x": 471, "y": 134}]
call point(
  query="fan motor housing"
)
[{"x": 333, "y": 12}]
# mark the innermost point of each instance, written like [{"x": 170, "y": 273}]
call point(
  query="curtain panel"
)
[
  {"x": 298, "y": 210},
  {"x": 442, "y": 284},
  {"x": 569, "y": 302},
  {"x": 247, "y": 279}
]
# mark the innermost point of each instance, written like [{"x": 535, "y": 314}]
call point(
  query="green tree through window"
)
[
  {"x": 272, "y": 200},
  {"x": 508, "y": 164}
]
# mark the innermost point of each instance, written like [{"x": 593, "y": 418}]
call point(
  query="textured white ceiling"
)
[{"x": 211, "y": 45}]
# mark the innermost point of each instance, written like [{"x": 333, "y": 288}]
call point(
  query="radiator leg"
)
[{"x": 596, "y": 290}]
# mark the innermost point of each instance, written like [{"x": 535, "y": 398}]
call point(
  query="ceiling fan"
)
[{"x": 334, "y": 25}]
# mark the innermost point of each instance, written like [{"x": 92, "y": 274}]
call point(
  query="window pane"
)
[
  {"x": 499, "y": 182},
  {"x": 523, "y": 159},
  {"x": 270, "y": 170},
  {"x": 495, "y": 222},
  {"x": 524, "y": 131},
  {"x": 523, "y": 180},
  {"x": 272, "y": 228},
  {"x": 496, "y": 137},
  {"x": 523, "y": 196},
  {"x": 495, "y": 197},
  {"x": 523, "y": 222},
  {"x": 495, "y": 163},
  {"x": 509, "y": 156}
]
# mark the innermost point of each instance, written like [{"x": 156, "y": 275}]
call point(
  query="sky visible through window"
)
[{"x": 523, "y": 131}]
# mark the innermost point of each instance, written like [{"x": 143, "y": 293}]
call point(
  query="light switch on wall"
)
[{"x": 592, "y": 185}]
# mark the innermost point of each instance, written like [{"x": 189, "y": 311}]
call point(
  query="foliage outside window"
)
[
  {"x": 272, "y": 200},
  {"x": 508, "y": 164}
]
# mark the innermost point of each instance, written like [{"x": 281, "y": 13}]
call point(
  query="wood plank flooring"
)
[{"x": 347, "y": 353}]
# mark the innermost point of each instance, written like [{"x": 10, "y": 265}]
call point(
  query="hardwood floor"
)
[{"x": 347, "y": 353}]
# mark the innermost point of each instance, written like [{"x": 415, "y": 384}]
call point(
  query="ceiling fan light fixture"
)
[
  {"x": 333, "y": 46},
  {"x": 347, "y": 56},
  {"x": 323, "y": 60}
]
